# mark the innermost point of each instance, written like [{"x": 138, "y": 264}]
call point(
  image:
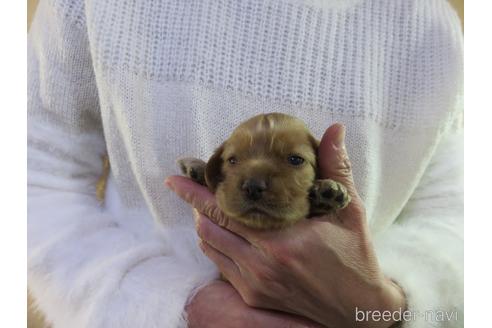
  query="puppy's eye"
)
[
  {"x": 232, "y": 160},
  {"x": 295, "y": 160}
]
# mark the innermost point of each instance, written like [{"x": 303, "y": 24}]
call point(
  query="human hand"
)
[
  {"x": 220, "y": 305},
  {"x": 323, "y": 268}
]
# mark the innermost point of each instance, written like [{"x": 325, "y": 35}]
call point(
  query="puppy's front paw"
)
[
  {"x": 328, "y": 195},
  {"x": 193, "y": 168}
]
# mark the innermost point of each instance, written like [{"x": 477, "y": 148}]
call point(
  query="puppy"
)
[{"x": 265, "y": 175}]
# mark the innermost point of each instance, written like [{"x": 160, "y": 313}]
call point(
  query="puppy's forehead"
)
[
  {"x": 272, "y": 122},
  {"x": 269, "y": 133}
]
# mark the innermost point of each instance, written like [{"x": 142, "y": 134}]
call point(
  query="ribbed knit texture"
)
[{"x": 151, "y": 81}]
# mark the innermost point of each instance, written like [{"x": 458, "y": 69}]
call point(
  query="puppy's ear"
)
[
  {"x": 315, "y": 144},
  {"x": 213, "y": 170}
]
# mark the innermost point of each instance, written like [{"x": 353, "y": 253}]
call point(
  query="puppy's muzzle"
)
[{"x": 254, "y": 188}]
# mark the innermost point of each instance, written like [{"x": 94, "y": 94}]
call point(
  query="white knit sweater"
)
[{"x": 150, "y": 81}]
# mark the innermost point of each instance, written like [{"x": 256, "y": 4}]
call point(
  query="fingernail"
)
[{"x": 339, "y": 138}]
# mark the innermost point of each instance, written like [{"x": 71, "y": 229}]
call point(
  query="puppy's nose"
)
[{"x": 254, "y": 188}]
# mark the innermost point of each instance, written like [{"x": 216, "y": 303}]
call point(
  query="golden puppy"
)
[{"x": 265, "y": 174}]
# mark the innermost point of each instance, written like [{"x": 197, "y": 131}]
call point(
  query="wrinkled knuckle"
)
[
  {"x": 215, "y": 213},
  {"x": 345, "y": 166},
  {"x": 208, "y": 208},
  {"x": 221, "y": 219}
]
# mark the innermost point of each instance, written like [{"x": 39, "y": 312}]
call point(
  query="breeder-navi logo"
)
[{"x": 407, "y": 315}]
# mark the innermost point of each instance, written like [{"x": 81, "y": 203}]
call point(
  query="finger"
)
[
  {"x": 226, "y": 242},
  {"x": 204, "y": 201},
  {"x": 226, "y": 266},
  {"x": 333, "y": 158}
]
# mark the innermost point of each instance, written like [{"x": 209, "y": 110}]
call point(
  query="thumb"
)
[
  {"x": 334, "y": 164},
  {"x": 333, "y": 159}
]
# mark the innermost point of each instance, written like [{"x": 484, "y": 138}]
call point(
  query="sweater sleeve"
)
[
  {"x": 423, "y": 250},
  {"x": 86, "y": 268}
]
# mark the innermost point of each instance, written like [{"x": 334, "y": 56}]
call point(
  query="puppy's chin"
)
[{"x": 260, "y": 217}]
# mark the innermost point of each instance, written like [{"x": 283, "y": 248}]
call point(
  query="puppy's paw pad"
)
[
  {"x": 332, "y": 195},
  {"x": 193, "y": 168}
]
